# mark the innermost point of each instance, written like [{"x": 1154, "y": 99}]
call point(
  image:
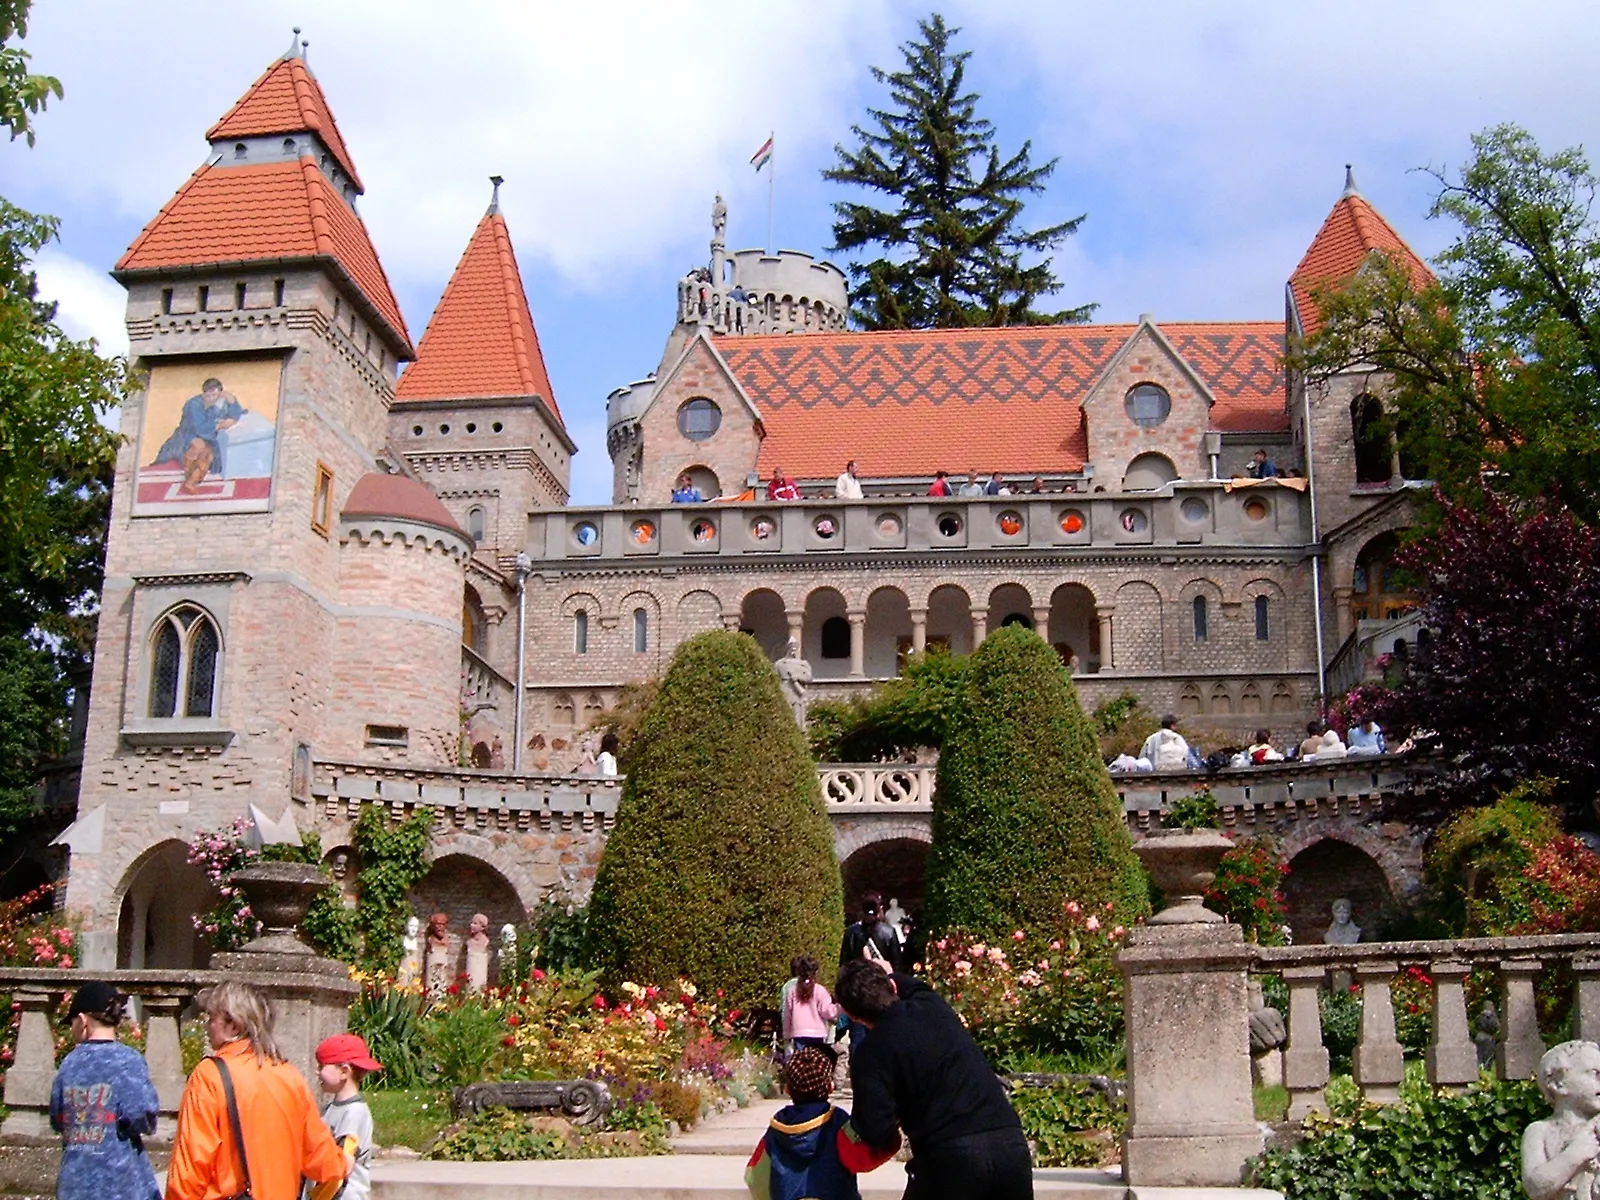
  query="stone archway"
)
[
  {"x": 162, "y": 894},
  {"x": 895, "y": 868},
  {"x": 1325, "y": 871},
  {"x": 460, "y": 885}
]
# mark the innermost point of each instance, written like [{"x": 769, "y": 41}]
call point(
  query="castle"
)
[{"x": 331, "y": 583}]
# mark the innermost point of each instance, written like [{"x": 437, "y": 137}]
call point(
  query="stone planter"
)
[
  {"x": 1183, "y": 862},
  {"x": 280, "y": 894}
]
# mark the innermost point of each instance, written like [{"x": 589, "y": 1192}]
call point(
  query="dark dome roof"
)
[{"x": 379, "y": 495}]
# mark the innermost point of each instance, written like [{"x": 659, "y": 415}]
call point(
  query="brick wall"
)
[
  {"x": 730, "y": 453},
  {"x": 1115, "y": 441}
]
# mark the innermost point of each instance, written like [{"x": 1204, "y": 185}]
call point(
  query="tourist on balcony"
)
[
  {"x": 941, "y": 484},
  {"x": 686, "y": 492},
  {"x": 998, "y": 486},
  {"x": 607, "y": 762},
  {"x": 103, "y": 1104},
  {"x": 1038, "y": 488},
  {"x": 1262, "y": 467},
  {"x": 1166, "y": 748},
  {"x": 1367, "y": 739},
  {"x": 1313, "y": 739},
  {"x": 265, "y": 1099},
  {"x": 971, "y": 487},
  {"x": 847, "y": 486},
  {"x": 1261, "y": 750},
  {"x": 781, "y": 487}
]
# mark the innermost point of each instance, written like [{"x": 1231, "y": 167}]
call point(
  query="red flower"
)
[
  {"x": 600, "y": 1002},
  {"x": 454, "y": 989},
  {"x": 661, "y": 1026},
  {"x": 508, "y": 1040},
  {"x": 513, "y": 1020},
  {"x": 537, "y": 975},
  {"x": 719, "y": 993}
]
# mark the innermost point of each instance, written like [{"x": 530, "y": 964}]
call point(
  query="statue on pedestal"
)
[
  {"x": 794, "y": 675},
  {"x": 478, "y": 953},
  {"x": 1343, "y": 931},
  {"x": 411, "y": 955},
  {"x": 441, "y": 955},
  {"x": 508, "y": 954},
  {"x": 1561, "y": 1154}
]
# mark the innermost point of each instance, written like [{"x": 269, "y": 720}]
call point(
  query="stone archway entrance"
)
[
  {"x": 1324, "y": 872},
  {"x": 460, "y": 885},
  {"x": 895, "y": 868},
  {"x": 164, "y": 893}
]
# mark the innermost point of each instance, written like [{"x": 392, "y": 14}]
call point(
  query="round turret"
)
[{"x": 787, "y": 292}]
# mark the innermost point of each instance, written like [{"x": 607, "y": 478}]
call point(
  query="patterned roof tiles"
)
[
  {"x": 481, "y": 341},
  {"x": 1353, "y": 230},
  {"x": 285, "y": 99},
  {"x": 268, "y": 211},
  {"x": 1008, "y": 398}
]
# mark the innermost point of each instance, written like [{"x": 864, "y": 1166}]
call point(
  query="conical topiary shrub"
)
[
  {"x": 721, "y": 866},
  {"x": 1024, "y": 816}
]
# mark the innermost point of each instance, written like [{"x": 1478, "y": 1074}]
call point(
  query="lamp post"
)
[{"x": 524, "y": 566}]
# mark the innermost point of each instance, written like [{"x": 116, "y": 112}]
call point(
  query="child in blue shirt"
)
[
  {"x": 103, "y": 1104},
  {"x": 811, "y": 1150}
]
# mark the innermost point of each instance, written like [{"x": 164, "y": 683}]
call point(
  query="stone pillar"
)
[
  {"x": 1103, "y": 614},
  {"x": 797, "y": 624},
  {"x": 1378, "y": 1063},
  {"x": 33, "y": 1068},
  {"x": 1041, "y": 621},
  {"x": 732, "y": 621},
  {"x": 858, "y": 642},
  {"x": 163, "y": 1054},
  {"x": 1452, "y": 1058},
  {"x": 1186, "y": 1009},
  {"x": 1587, "y": 971},
  {"x": 919, "y": 630},
  {"x": 980, "y": 626},
  {"x": 1305, "y": 1058},
  {"x": 1341, "y": 612},
  {"x": 1520, "y": 1047}
]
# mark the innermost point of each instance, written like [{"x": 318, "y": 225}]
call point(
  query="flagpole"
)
[{"x": 772, "y": 188}]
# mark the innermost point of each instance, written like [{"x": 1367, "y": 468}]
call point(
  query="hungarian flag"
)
[{"x": 762, "y": 156}]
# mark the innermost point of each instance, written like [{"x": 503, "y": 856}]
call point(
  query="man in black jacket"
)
[
  {"x": 918, "y": 1069},
  {"x": 874, "y": 929}
]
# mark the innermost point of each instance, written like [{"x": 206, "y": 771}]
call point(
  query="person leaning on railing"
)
[{"x": 270, "y": 1110}]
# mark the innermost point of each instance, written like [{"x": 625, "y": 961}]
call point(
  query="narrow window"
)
[
  {"x": 338, "y": 307},
  {"x": 203, "y": 647},
  {"x": 166, "y": 302},
  {"x": 184, "y": 655},
  {"x": 1263, "y": 620},
  {"x": 277, "y": 293},
  {"x": 322, "y": 501},
  {"x": 164, "y": 669},
  {"x": 836, "y": 638},
  {"x": 205, "y": 297},
  {"x": 580, "y": 632},
  {"x": 240, "y": 150},
  {"x": 288, "y": 146},
  {"x": 641, "y": 631},
  {"x": 369, "y": 342},
  {"x": 388, "y": 735},
  {"x": 475, "y": 524},
  {"x": 1200, "y": 622},
  {"x": 238, "y": 294}
]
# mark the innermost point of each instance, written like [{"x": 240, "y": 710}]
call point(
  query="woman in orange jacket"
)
[{"x": 285, "y": 1138}]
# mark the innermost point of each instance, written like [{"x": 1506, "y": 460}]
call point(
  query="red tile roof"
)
[
  {"x": 286, "y": 99},
  {"x": 264, "y": 212},
  {"x": 379, "y": 495},
  {"x": 1353, "y": 230},
  {"x": 908, "y": 403},
  {"x": 481, "y": 341}
]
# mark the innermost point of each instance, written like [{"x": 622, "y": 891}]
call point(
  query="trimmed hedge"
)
[
  {"x": 1024, "y": 815},
  {"x": 721, "y": 866}
]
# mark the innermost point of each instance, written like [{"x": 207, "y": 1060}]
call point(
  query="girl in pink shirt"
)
[{"x": 808, "y": 1010}]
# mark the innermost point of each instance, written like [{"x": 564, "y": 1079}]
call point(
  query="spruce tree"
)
[
  {"x": 1024, "y": 815},
  {"x": 952, "y": 251},
  {"x": 721, "y": 866}
]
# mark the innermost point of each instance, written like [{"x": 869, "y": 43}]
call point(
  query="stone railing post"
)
[
  {"x": 980, "y": 626},
  {"x": 1378, "y": 1063},
  {"x": 1305, "y": 1058},
  {"x": 919, "y": 630},
  {"x": 33, "y": 1067},
  {"x": 1452, "y": 1059},
  {"x": 1587, "y": 989},
  {"x": 163, "y": 1052},
  {"x": 858, "y": 642},
  {"x": 1520, "y": 1047},
  {"x": 1103, "y": 614}
]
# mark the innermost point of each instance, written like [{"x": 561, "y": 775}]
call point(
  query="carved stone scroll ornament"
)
[{"x": 581, "y": 1101}]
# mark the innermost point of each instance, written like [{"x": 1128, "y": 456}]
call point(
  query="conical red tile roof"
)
[
  {"x": 1353, "y": 230},
  {"x": 286, "y": 99},
  {"x": 481, "y": 341}
]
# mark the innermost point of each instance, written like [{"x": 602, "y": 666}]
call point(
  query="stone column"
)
[
  {"x": 1041, "y": 621},
  {"x": 1378, "y": 1063},
  {"x": 1520, "y": 1047},
  {"x": 797, "y": 623},
  {"x": 1103, "y": 614},
  {"x": 980, "y": 626},
  {"x": 1305, "y": 1058},
  {"x": 1587, "y": 971},
  {"x": 1187, "y": 1014},
  {"x": 732, "y": 621},
  {"x": 163, "y": 1054},
  {"x": 33, "y": 1068},
  {"x": 1452, "y": 1059},
  {"x": 1341, "y": 612},
  {"x": 858, "y": 642},
  {"x": 919, "y": 630}
]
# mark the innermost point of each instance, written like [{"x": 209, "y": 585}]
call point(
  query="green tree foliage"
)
[
  {"x": 721, "y": 866},
  {"x": 951, "y": 251},
  {"x": 1024, "y": 816},
  {"x": 1495, "y": 365},
  {"x": 23, "y": 95},
  {"x": 900, "y": 714}
]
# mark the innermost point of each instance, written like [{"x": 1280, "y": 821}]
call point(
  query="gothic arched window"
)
[{"x": 185, "y": 651}]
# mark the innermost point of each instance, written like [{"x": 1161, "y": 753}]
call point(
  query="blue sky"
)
[{"x": 1205, "y": 142}]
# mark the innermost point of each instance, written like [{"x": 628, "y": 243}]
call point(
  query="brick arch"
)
[
  {"x": 1342, "y": 554},
  {"x": 495, "y": 862},
  {"x": 1138, "y": 633},
  {"x": 588, "y": 601},
  {"x": 1400, "y": 862},
  {"x": 866, "y": 832},
  {"x": 697, "y": 611},
  {"x": 951, "y": 583}
]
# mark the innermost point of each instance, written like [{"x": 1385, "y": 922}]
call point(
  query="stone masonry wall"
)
[
  {"x": 730, "y": 453},
  {"x": 1115, "y": 441}
]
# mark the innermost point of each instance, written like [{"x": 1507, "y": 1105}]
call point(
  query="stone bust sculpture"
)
[
  {"x": 478, "y": 952},
  {"x": 441, "y": 954},
  {"x": 794, "y": 674},
  {"x": 1343, "y": 931},
  {"x": 411, "y": 954}
]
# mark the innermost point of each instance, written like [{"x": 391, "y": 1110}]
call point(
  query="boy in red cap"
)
[{"x": 342, "y": 1060}]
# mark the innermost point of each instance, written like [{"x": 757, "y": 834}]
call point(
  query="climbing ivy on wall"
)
[{"x": 393, "y": 856}]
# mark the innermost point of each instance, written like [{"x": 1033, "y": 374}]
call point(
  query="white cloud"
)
[{"x": 89, "y": 303}]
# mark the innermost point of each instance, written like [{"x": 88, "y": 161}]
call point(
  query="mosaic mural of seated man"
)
[{"x": 194, "y": 445}]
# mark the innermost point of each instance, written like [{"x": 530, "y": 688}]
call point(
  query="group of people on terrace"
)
[{"x": 1168, "y": 750}]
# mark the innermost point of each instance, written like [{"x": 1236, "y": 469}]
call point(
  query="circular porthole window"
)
[
  {"x": 643, "y": 532},
  {"x": 1072, "y": 521},
  {"x": 703, "y": 530},
  {"x": 698, "y": 419},
  {"x": 1194, "y": 510},
  {"x": 949, "y": 524},
  {"x": 416, "y": 431},
  {"x": 1147, "y": 405},
  {"x": 444, "y": 429},
  {"x": 497, "y": 427},
  {"x": 1134, "y": 521},
  {"x": 888, "y": 526},
  {"x": 763, "y": 528},
  {"x": 826, "y": 526},
  {"x": 1256, "y": 509},
  {"x": 471, "y": 428},
  {"x": 585, "y": 533},
  {"x": 1010, "y": 523}
]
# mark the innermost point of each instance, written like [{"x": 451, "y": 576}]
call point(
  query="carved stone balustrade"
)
[{"x": 877, "y": 786}]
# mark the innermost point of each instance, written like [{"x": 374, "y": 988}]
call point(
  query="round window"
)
[
  {"x": 826, "y": 527},
  {"x": 1134, "y": 520},
  {"x": 416, "y": 431},
  {"x": 1194, "y": 510},
  {"x": 698, "y": 419},
  {"x": 888, "y": 526},
  {"x": 762, "y": 528},
  {"x": 1072, "y": 521},
  {"x": 644, "y": 532},
  {"x": 949, "y": 524},
  {"x": 1010, "y": 523},
  {"x": 1147, "y": 405},
  {"x": 584, "y": 533},
  {"x": 1256, "y": 509},
  {"x": 702, "y": 530}
]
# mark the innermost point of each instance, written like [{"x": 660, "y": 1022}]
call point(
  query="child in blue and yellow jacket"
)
[{"x": 811, "y": 1149}]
